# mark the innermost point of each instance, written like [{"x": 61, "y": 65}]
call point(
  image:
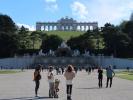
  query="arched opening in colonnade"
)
[
  {"x": 42, "y": 28},
  {"x": 91, "y": 28}
]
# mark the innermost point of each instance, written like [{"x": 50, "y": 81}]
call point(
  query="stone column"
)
[
  {"x": 52, "y": 27},
  {"x": 55, "y": 27},
  {"x": 89, "y": 27},
  {"x": 75, "y": 27},
  {"x": 58, "y": 27},
  {"x": 94, "y": 27},
  {"x": 68, "y": 28},
  {"x": 72, "y": 27},
  {"x": 80, "y": 28},
  {"x": 64, "y": 28},
  {"x": 61, "y": 28},
  {"x": 84, "y": 27},
  {"x": 44, "y": 27},
  {"x": 48, "y": 27},
  {"x": 38, "y": 27}
]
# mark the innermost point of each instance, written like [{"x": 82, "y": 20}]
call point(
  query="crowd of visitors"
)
[{"x": 69, "y": 73}]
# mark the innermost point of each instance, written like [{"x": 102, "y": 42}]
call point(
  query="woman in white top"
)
[
  {"x": 51, "y": 81},
  {"x": 69, "y": 75}
]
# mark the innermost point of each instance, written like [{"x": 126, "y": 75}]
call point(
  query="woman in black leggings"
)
[
  {"x": 100, "y": 77},
  {"x": 37, "y": 78},
  {"x": 69, "y": 75}
]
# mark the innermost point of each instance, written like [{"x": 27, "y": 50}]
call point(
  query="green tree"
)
[
  {"x": 128, "y": 28},
  {"x": 9, "y": 45},
  {"x": 122, "y": 25},
  {"x": 82, "y": 42},
  {"x": 24, "y": 38},
  {"x": 115, "y": 41},
  {"x": 35, "y": 36},
  {"x": 51, "y": 42},
  {"x": 7, "y": 25},
  {"x": 8, "y": 37}
]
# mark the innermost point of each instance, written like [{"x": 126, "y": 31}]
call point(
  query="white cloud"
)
[
  {"x": 113, "y": 11},
  {"x": 31, "y": 28},
  {"x": 131, "y": 5},
  {"x": 79, "y": 10},
  {"x": 50, "y": 0},
  {"x": 51, "y": 5}
]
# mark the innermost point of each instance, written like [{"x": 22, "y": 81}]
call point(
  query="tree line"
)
[{"x": 107, "y": 40}]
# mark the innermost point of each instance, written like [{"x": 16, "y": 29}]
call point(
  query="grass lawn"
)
[
  {"x": 65, "y": 35},
  {"x": 125, "y": 75},
  {"x": 8, "y": 71}
]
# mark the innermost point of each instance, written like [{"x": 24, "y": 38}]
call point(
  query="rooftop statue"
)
[
  {"x": 63, "y": 50},
  {"x": 87, "y": 53},
  {"x": 63, "y": 45},
  {"x": 51, "y": 52},
  {"x": 40, "y": 52},
  {"x": 76, "y": 52}
]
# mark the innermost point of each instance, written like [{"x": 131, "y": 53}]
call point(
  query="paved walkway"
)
[{"x": 20, "y": 86}]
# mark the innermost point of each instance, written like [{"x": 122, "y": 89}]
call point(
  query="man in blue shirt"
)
[{"x": 110, "y": 74}]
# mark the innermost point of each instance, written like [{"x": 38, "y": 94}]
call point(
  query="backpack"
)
[{"x": 38, "y": 77}]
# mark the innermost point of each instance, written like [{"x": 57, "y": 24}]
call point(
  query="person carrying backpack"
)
[{"x": 37, "y": 78}]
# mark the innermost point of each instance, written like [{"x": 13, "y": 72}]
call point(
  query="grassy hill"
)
[{"x": 65, "y": 35}]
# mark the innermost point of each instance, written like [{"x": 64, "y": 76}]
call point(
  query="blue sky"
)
[{"x": 28, "y": 12}]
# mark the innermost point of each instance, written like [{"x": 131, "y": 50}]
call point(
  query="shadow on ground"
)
[
  {"x": 27, "y": 98},
  {"x": 90, "y": 88}
]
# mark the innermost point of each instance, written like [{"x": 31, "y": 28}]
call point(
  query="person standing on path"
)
[
  {"x": 110, "y": 74},
  {"x": 37, "y": 78},
  {"x": 69, "y": 75},
  {"x": 51, "y": 81},
  {"x": 100, "y": 77},
  {"x": 89, "y": 70}
]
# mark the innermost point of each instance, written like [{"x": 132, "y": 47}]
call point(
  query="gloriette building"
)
[{"x": 66, "y": 24}]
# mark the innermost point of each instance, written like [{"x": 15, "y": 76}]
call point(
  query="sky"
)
[{"x": 28, "y": 12}]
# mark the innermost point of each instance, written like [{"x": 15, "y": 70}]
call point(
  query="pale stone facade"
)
[{"x": 66, "y": 24}]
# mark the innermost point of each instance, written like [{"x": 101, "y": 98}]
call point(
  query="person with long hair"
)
[
  {"x": 69, "y": 75},
  {"x": 100, "y": 77},
  {"x": 37, "y": 78},
  {"x": 51, "y": 81}
]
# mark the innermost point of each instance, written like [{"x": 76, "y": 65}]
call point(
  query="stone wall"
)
[{"x": 19, "y": 62}]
